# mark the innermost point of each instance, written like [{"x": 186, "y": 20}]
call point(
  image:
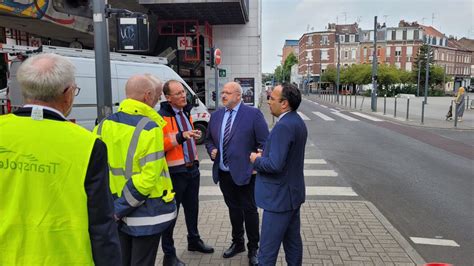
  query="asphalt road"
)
[{"x": 420, "y": 179}]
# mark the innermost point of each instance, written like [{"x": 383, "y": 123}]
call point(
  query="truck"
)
[{"x": 122, "y": 67}]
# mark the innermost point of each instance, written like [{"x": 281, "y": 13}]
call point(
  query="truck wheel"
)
[{"x": 203, "y": 129}]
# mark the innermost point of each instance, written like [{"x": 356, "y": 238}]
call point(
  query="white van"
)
[{"x": 122, "y": 67}]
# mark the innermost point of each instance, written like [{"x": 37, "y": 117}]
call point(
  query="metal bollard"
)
[
  {"x": 385, "y": 104},
  {"x": 395, "y": 108},
  {"x": 345, "y": 101},
  {"x": 355, "y": 101},
  {"x": 422, "y": 112},
  {"x": 350, "y": 101},
  {"x": 455, "y": 115},
  {"x": 408, "y": 107},
  {"x": 467, "y": 103}
]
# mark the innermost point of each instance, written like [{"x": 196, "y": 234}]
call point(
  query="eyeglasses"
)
[{"x": 76, "y": 89}]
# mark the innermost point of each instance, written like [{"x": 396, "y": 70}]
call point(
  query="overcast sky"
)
[{"x": 289, "y": 19}]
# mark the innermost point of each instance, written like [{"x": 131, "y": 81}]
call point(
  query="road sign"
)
[
  {"x": 222, "y": 73},
  {"x": 217, "y": 56}
]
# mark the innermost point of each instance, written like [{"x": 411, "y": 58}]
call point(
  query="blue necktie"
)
[
  {"x": 189, "y": 143},
  {"x": 226, "y": 137}
]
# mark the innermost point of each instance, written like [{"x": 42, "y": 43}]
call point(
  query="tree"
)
[
  {"x": 420, "y": 59},
  {"x": 289, "y": 62},
  {"x": 387, "y": 75},
  {"x": 329, "y": 75},
  {"x": 278, "y": 74}
]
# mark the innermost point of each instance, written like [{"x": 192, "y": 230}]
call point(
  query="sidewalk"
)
[
  {"x": 434, "y": 117},
  {"x": 334, "y": 232}
]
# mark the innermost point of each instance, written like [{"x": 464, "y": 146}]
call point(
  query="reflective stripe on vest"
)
[{"x": 143, "y": 221}]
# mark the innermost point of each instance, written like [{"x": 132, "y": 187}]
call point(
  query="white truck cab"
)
[{"x": 122, "y": 67}]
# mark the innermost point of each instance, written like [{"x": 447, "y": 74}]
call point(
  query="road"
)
[{"x": 420, "y": 179}]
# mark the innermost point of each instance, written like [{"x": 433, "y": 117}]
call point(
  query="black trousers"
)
[
  {"x": 186, "y": 187},
  {"x": 139, "y": 250},
  {"x": 242, "y": 209}
]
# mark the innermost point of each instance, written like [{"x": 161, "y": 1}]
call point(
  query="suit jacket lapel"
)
[
  {"x": 237, "y": 120},
  {"x": 220, "y": 117}
]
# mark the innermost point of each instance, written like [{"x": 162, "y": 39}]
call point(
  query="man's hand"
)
[
  {"x": 254, "y": 156},
  {"x": 213, "y": 154},
  {"x": 192, "y": 134}
]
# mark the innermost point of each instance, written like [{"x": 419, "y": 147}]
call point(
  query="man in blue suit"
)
[
  {"x": 233, "y": 133},
  {"x": 280, "y": 188}
]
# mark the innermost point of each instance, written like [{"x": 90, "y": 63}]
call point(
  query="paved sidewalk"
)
[
  {"x": 333, "y": 233},
  {"x": 435, "y": 110}
]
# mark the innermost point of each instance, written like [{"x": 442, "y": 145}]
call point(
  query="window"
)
[
  {"x": 341, "y": 38},
  {"x": 399, "y": 34},
  {"x": 408, "y": 66},
  {"x": 346, "y": 54},
  {"x": 416, "y": 35},
  {"x": 388, "y": 51},
  {"x": 442, "y": 56},
  {"x": 346, "y": 38},
  {"x": 324, "y": 40},
  {"x": 353, "y": 56},
  {"x": 365, "y": 52},
  {"x": 309, "y": 42},
  {"x": 309, "y": 56},
  {"x": 398, "y": 65},
  {"x": 410, "y": 35},
  {"x": 352, "y": 38},
  {"x": 324, "y": 55},
  {"x": 409, "y": 50},
  {"x": 404, "y": 35},
  {"x": 398, "y": 51},
  {"x": 357, "y": 38},
  {"x": 394, "y": 34}
]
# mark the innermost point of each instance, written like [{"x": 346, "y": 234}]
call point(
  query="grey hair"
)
[
  {"x": 240, "y": 88},
  {"x": 44, "y": 76}
]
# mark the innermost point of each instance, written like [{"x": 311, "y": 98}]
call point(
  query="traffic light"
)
[
  {"x": 210, "y": 57},
  {"x": 214, "y": 96}
]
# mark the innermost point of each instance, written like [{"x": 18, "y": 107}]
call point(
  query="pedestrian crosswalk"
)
[
  {"x": 320, "y": 181},
  {"x": 336, "y": 115}
]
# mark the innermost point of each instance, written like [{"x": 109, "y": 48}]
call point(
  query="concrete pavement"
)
[{"x": 335, "y": 231}]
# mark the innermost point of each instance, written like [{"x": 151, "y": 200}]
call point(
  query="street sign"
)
[
  {"x": 217, "y": 56},
  {"x": 222, "y": 73}
]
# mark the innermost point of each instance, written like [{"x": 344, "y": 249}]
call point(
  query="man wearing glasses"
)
[
  {"x": 55, "y": 203},
  {"x": 183, "y": 163}
]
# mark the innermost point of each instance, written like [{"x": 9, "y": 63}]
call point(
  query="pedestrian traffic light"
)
[
  {"x": 214, "y": 96},
  {"x": 210, "y": 57}
]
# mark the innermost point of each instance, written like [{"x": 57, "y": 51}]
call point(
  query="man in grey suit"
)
[{"x": 279, "y": 186}]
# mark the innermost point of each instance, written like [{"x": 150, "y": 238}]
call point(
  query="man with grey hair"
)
[
  {"x": 233, "y": 133},
  {"x": 139, "y": 176},
  {"x": 55, "y": 203}
]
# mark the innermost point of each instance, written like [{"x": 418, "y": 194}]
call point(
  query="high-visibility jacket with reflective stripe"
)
[
  {"x": 138, "y": 169},
  {"x": 43, "y": 203},
  {"x": 173, "y": 145}
]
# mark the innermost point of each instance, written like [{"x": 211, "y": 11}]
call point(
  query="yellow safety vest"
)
[{"x": 43, "y": 203}]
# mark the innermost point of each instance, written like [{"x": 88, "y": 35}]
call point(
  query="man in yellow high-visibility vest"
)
[
  {"x": 55, "y": 203},
  {"x": 139, "y": 176}
]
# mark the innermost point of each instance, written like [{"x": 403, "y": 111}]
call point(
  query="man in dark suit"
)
[
  {"x": 233, "y": 133},
  {"x": 280, "y": 188}
]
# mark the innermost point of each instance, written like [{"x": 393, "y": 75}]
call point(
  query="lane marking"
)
[
  {"x": 310, "y": 191},
  {"x": 367, "y": 116},
  {"x": 303, "y": 116},
  {"x": 434, "y": 241},
  {"x": 323, "y": 116},
  {"x": 345, "y": 116},
  {"x": 306, "y": 161},
  {"x": 333, "y": 110},
  {"x": 323, "y": 106},
  {"x": 307, "y": 173}
]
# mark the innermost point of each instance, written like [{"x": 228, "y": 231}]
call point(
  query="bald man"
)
[
  {"x": 139, "y": 176},
  {"x": 233, "y": 133}
]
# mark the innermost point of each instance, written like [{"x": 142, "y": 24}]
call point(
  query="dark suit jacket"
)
[
  {"x": 279, "y": 186},
  {"x": 248, "y": 133}
]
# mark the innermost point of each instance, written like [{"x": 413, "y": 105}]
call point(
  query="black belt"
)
[{"x": 190, "y": 164}]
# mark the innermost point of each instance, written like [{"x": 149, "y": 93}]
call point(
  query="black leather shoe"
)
[
  {"x": 253, "y": 260},
  {"x": 233, "y": 250},
  {"x": 172, "y": 261},
  {"x": 199, "y": 246}
]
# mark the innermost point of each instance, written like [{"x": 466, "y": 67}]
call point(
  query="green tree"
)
[
  {"x": 435, "y": 72},
  {"x": 329, "y": 75},
  {"x": 278, "y": 74},
  {"x": 289, "y": 62},
  {"x": 387, "y": 75}
]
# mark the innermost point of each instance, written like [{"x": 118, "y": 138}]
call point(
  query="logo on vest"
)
[{"x": 26, "y": 163}]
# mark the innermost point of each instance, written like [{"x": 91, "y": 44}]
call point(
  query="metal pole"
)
[
  {"x": 427, "y": 74},
  {"x": 216, "y": 80},
  {"x": 345, "y": 100},
  {"x": 395, "y": 108},
  {"x": 385, "y": 104},
  {"x": 419, "y": 74},
  {"x": 373, "y": 104},
  {"x": 467, "y": 102},
  {"x": 102, "y": 61},
  {"x": 320, "y": 68},
  {"x": 444, "y": 79},
  {"x": 422, "y": 112},
  {"x": 455, "y": 114},
  {"x": 355, "y": 101},
  {"x": 338, "y": 65},
  {"x": 350, "y": 101},
  {"x": 408, "y": 107}
]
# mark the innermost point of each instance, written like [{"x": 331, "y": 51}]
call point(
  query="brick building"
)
[{"x": 290, "y": 47}]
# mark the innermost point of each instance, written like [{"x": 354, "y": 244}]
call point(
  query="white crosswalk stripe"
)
[
  {"x": 434, "y": 241},
  {"x": 367, "y": 116},
  {"x": 310, "y": 191},
  {"x": 323, "y": 105},
  {"x": 303, "y": 116},
  {"x": 349, "y": 118},
  {"x": 323, "y": 116},
  {"x": 307, "y": 173}
]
